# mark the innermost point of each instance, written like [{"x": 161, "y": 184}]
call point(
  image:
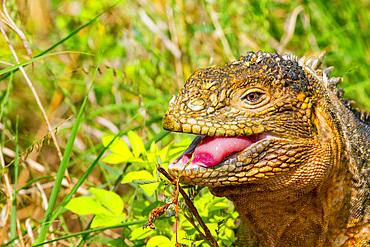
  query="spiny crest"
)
[
  {"x": 274, "y": 67},
  {"x": 313, "y": 65}
]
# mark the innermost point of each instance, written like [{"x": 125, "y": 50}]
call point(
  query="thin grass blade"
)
[{"x": 60, "y": 175}]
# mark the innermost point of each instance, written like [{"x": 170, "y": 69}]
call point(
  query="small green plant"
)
[
  {"x": 144, "y": 172},
  {"x": 152, "y": 192},
  {"x": 106, "y": 206}
]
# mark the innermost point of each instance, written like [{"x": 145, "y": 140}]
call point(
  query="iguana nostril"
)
[{"x": 196, "y": 104}]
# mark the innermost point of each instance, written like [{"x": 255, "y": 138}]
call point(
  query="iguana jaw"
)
[{"x": 235, "y": 167}]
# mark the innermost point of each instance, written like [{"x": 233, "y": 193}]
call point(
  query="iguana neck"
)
[
  {"x": 299, "y": 220},
  {"x": 355, "y": 136}
]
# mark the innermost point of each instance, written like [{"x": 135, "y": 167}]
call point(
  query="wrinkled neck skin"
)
[
  {"x": 281, "y": 213},
  {"x": 283, "y": 218}
]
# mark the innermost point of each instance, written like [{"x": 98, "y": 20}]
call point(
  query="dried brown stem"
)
[
  {"x": 191, "y": 220},
  {"x": 191, "y": 206}
]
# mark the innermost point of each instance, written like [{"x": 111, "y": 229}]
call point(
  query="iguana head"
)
[
  {"x": 277, "y": 139},
  {"x": 258, "y": 120}
]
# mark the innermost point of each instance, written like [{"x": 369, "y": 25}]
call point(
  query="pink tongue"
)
[{"x": 213, "y": 149}]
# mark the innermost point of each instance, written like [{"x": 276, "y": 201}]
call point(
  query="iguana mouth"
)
[{"x": 218, "y": 154}]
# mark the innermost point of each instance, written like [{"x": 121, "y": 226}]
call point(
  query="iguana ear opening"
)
[{"x": 326, "y": 129}]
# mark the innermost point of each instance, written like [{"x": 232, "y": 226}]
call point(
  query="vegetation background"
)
[{"x": 136, "y": 54}]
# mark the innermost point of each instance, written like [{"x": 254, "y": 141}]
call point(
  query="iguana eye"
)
[{"x": 254, "y": 96}]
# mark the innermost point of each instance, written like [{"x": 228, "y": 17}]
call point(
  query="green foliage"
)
[
  {"x": 147, "y": 180},
  {"x": 144, "y": 179},
  {"x": 158, "y": 241},
  {"x": 106, "y": 206}
]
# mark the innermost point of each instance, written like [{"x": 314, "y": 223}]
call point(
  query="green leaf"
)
[
  {"x": 157, "y": 241},
  {"x": 229, "y": 234},
  {"x": 153, "y": 148},
  {"x": 107, "y": 220},
  {"x": 140, "y": 233},
  {"x": 149, "y": 188},
  {"x": 136, "y": 144},
  {"x": 109, "y": 199},
  {"x": 119, "y": 146},
  {"x": 230, "y": 223},
  {"x": 147, "y": 165},
  {"x": 137, "y": 175},
  {"x": 152, "y": 158},
  {"x": 141, "y": 175},
  {"x": 218, "y": 206},
  {"x": 163, "y": 154},
  {"x": 86, "y": 205},
  {"x": 212, "y": 227},
  {"x": 114, "y": 158},
  {"x": 138, "y": 161}
]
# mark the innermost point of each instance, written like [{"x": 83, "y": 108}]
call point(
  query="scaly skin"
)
[{"x": 305, "y": 181}]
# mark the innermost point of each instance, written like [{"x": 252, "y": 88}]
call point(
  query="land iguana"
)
[{"x": 276, "y": 137}]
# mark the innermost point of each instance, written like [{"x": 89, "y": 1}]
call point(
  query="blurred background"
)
[{"x": 139, "y": 53}]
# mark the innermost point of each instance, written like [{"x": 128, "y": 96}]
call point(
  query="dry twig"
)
[{"x": 208, "y": 236}]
